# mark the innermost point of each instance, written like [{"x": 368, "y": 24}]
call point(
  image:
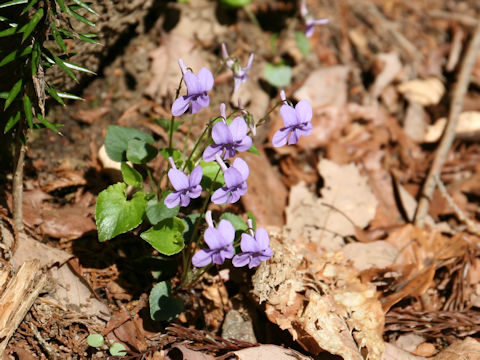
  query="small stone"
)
[{"x": 238, "y": 326}]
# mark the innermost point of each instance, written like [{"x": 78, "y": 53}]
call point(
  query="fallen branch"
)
[
  {"x": 446, "y": 142},
  {"x": 17, "y": 299}
]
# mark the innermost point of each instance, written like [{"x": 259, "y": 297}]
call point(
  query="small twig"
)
[
  {"x": 17, "y": 184},
  {"x": 43, "y": 343},
  {"x": 447, "y": 15},
  {"x": 472, "y": 226},
  {"x": 455, "y": 49},
  {"x": 448, "y": 136}
]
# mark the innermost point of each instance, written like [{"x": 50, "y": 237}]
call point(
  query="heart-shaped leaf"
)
[
  {"x": 115, "y": 215},
  {"x": 166, "y": 237},
  {"x": 140, "y": 152},
  {"x": 278, "y": 75},
  {"x": 118, "y": 138},
  {"x": 157, "y": 211},
  {"x": 131, "y": 176},
  {"x": 163, "y": 307}
]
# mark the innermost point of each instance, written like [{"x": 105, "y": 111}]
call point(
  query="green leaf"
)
[
  {"x": 88, "y": 39},
  {"x": 210, "y": 171},
  {"x": 49, "y": 125},
  {"x": 165, "y": 124},
  {"x": 174, "y": 153},
  {"x": 13, "y": 93},
  {"x": 36, "y": 56},
  {"x": 254, "y": 220},
  {"x": 8, "y": 32},
  {"x": 117, "y": 349},
  {"x": 189, "y": 221},
  {"x": 61, "y": 4},
  {"x": 4, "y": 95},
  {"x": 253, "y": 149},
  {"x": 78, "y": 68},
  {"x": 157, "y": 211},
  {"x": 140, "y": 152},
  {"x": 30, "y": 4},
  {"x": 85, "y": 6},
  {"x": 117, "y": 139},
  {"x": 13, "y": 2},
  {"x": 278, "y": 75},
  {"x": 64, "y": 67},
  {"x": 27, "y": 109},
  {"x": 302, "y": 43},
  {"x": 236, "y": 221},
  {"x": 131, "y": 176},
  {"x": 164, "y": 307},
  {"x": 65, "y": 95},
  {"x": 95, "y": 340},
  {"x": 166, "y": 237},
  {"x": 66, "y": 32},
  {"x": 12, "y": 121},
  {"x": 58, "y": 38},
  {"x": 115, "y": 215},
  {"x": 32, "y": 24},
  {"x": 80, "y": 17},
  {"x": 15, "y": 55},
  {"x": 235, "y": 3},
  {"x": 53, "y": 93}
]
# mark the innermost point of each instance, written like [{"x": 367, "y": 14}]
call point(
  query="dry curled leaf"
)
[
  {"x": 425, "y": 92},
  {"x": 468, "y": 127}
]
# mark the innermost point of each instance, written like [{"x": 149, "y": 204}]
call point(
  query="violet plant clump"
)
[{"x": 208, "y": 171}]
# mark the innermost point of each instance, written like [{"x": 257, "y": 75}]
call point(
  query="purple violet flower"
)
[
  {"x": 235, "y": 182},
  {"x": 186, "y": 187},
  {"x": 240, "y": 74},
  {"x": 297, "y": 123},
  {"x": 254, "y": 249},
  {"x": 197, "y": 88},
  {"x": 220, "y": 244},
  {"x": 231, "y": 138},
  {"x": 310, "y": 22}
]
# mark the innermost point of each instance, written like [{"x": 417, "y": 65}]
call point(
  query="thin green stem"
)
[
  {"x": 189, "y": 131},
  {"x": 170, "y": 133},
  {"x": 264, "y": 118},
  {"x": 199, "y": 140},
  {"x": 252, "y": 17},
  {"x": 190, "y": 251},
  {"x": 154, "y": 183}
]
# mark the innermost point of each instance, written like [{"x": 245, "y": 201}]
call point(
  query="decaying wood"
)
[{"x": 17, "y": 299}]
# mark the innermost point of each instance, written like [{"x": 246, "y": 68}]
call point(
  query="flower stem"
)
[
  {"x": 199, "y": 140},
  {"x": 170, "y": 133},
  {"x": 187, "y": 264},
  {"x": 264, "y": 118},
  {"x": 189, "y": 131}
]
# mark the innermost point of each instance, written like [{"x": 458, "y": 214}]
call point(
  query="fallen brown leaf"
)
[{"x": 468, "y": 349}]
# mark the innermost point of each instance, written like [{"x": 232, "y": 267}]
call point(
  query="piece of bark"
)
[{"x": 17, "y": 299}]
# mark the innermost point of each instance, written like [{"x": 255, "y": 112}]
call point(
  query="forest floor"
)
[{"x": 364, "y": 264}]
